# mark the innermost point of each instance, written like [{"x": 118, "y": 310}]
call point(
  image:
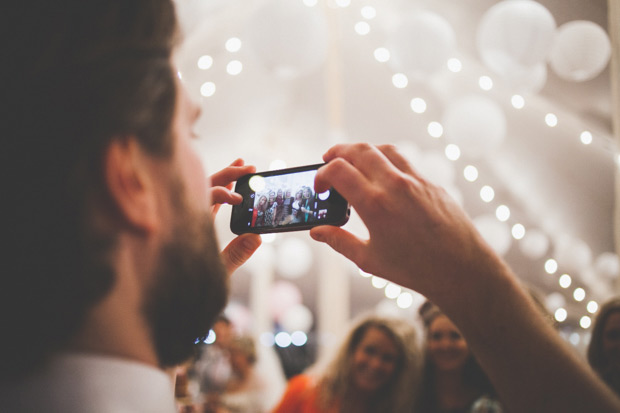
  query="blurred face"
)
[
  {"x": 446, "y": 346},
  {"x": 189, "y": 283},
  {"x": 611, "y": 340},
  {"x": 374, "y": 360}
]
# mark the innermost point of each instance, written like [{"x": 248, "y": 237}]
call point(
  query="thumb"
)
[
  {"x": 239, "y": 250},
  {"x": 343, "y": 242}
]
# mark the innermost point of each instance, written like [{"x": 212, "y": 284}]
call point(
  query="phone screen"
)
[{"x": 285, "y": 200}]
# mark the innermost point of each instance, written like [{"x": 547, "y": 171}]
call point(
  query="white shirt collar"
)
[{"x": 93, "y": 383}]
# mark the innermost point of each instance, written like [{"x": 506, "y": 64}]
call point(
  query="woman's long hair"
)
[
  {"x": 596, "y": 356},
  {"x": 397, "y": 395}
]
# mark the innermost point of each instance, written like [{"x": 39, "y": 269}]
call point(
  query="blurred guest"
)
[
  {"x": 452, "y": 379},
  {"x": 604, "y": 349},
  {"x": 213, "y": 366},
  {"x": 374, "y": 370},
  {"x": 245, "y": 392}
]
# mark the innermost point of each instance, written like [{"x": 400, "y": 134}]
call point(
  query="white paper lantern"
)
[
  {"x": 607, "y": 265},
  {"x": 293, "y": 258},
  {"x": 296, "y": 318},
  {"x": 283, "y": 296},
  {"x": 494, "y": 232},
  {"x": 421, "y": 44},
  {"x": 435, "y": 167},
  {"x": 534, "y": 244},
  {"x": 554, "y": 301},
  {"x": 526, "y": 80},
  {"x": 288, "y": 38},
  {"x": 580, "y": 52},
  {"x": 514, "y": 35},
  {"x": 476, "y": 124}
]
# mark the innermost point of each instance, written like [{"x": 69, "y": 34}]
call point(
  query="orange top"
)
[{"x": 301, "y": 397}]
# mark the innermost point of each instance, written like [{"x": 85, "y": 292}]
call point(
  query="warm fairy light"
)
[
  {"x": 453, "y": 152},
  {"x": 518, "y": 231},
  {"x": 561, "y": 314},
  {"x": 405, "y": 300},
  {"x": 234, "y": 67},
  {"x": 362, "y": 28},
  {"x": 551, "y": 120},
  {"x": 585, "y": 322},
  {"x": 418, "y": 105},
  {"x": 502, "y": 213},
  {"x": 470, "y": 173},
  {"x": 378, "y": 282},
  {"x": 233, "y": 44},
  {"x": 579, "y": 294},
  {"x": 487, "y": 193},
  {"x": 435, "y": 129},
  {"x": 369, "y": 12},
  {"x": 551, "y": 266},
  {"x": 382, "y": 54},
  {"x": 485, "y": 83},
  {"x": 592, "y": 307},
  {"x": 392, "y": 290},
  {"x": 207, "y": 89},
  {"x": 565, "y": 281},
  {"x": 400, "y": 80},
  {"x": 517, "y": 101},
  {"x": 205, "y": 62},
  {"x": 454, "y": 65},
  {"x": 586, "y": 137}
]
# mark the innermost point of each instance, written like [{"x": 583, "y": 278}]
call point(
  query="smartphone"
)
[{"x": 285, "y": 200}]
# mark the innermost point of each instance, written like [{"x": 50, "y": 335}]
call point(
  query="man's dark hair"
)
[{"x": 79, "y": 74}]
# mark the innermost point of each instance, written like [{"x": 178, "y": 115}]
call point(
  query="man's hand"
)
[
  {"x": 419, "y": 237},
  {"x": 240, "y": 249}
]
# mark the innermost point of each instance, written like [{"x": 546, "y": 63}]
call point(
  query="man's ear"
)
[{"x": 129, "y": 181}]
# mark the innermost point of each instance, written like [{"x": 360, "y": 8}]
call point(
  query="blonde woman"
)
[{"x": 374, "y": 370}]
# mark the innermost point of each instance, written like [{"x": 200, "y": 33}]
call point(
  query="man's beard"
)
[{"x": 189, "y": 289}]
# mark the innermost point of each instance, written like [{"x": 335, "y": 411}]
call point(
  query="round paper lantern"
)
[
  {"x": 526, "y": 80},
  {"x": 534, "y": 244},
  {"x": 573, "y": 254},
  {"x": 580, "y": 52},
  {"x": 476, "y": 124},
  {"x": 515, "y": 34},
  {"x": 494, "y": 232},
  {"x": 293, "y": 258},
  {"x": 607, "y": 265},
  {"x": 435, "y": 167},
  {"x": 421, "y": 44},
  {"x": 555, "y": 301},
  {"x": 288, "y": 38},
  {"x": 296, "y": 318},
  {"x": 283, "y": 296}
]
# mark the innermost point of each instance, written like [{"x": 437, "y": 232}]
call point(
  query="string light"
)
[
  {"x": 470, "y": 173},
  {"x": 485, "y": 83},
  {"x": 565, "y": 281},
  {"x": 362, "y": 28},
  {"x": 418, "y": 105},
  {"x": 382, "y": 54},
  {"x": 369, "y": 12},
  {"x": 586, "y": 137},
  {"x": 453, "y": 152},
  {"x": 551, "y": 266},
  {"x": 207, "y": 89},
  {"x": 435, "y": 129},
  {"x": 551, "y": 120},
  {"x": 518, "y": 231},
  {"x": 233, "y": 44},
  {"x": 400, "y": 81},
  {"x": 517, "y": 101},
  {"x": 205, "y": 62},
  {"x": 487, "y": 193},
  {"x": 454, "y": 65}
]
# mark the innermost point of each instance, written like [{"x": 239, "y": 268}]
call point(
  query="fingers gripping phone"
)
[{"x": 285, "y": 200}]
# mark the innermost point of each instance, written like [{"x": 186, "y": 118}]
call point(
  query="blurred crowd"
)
[{"x": 378, "y": 367}]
